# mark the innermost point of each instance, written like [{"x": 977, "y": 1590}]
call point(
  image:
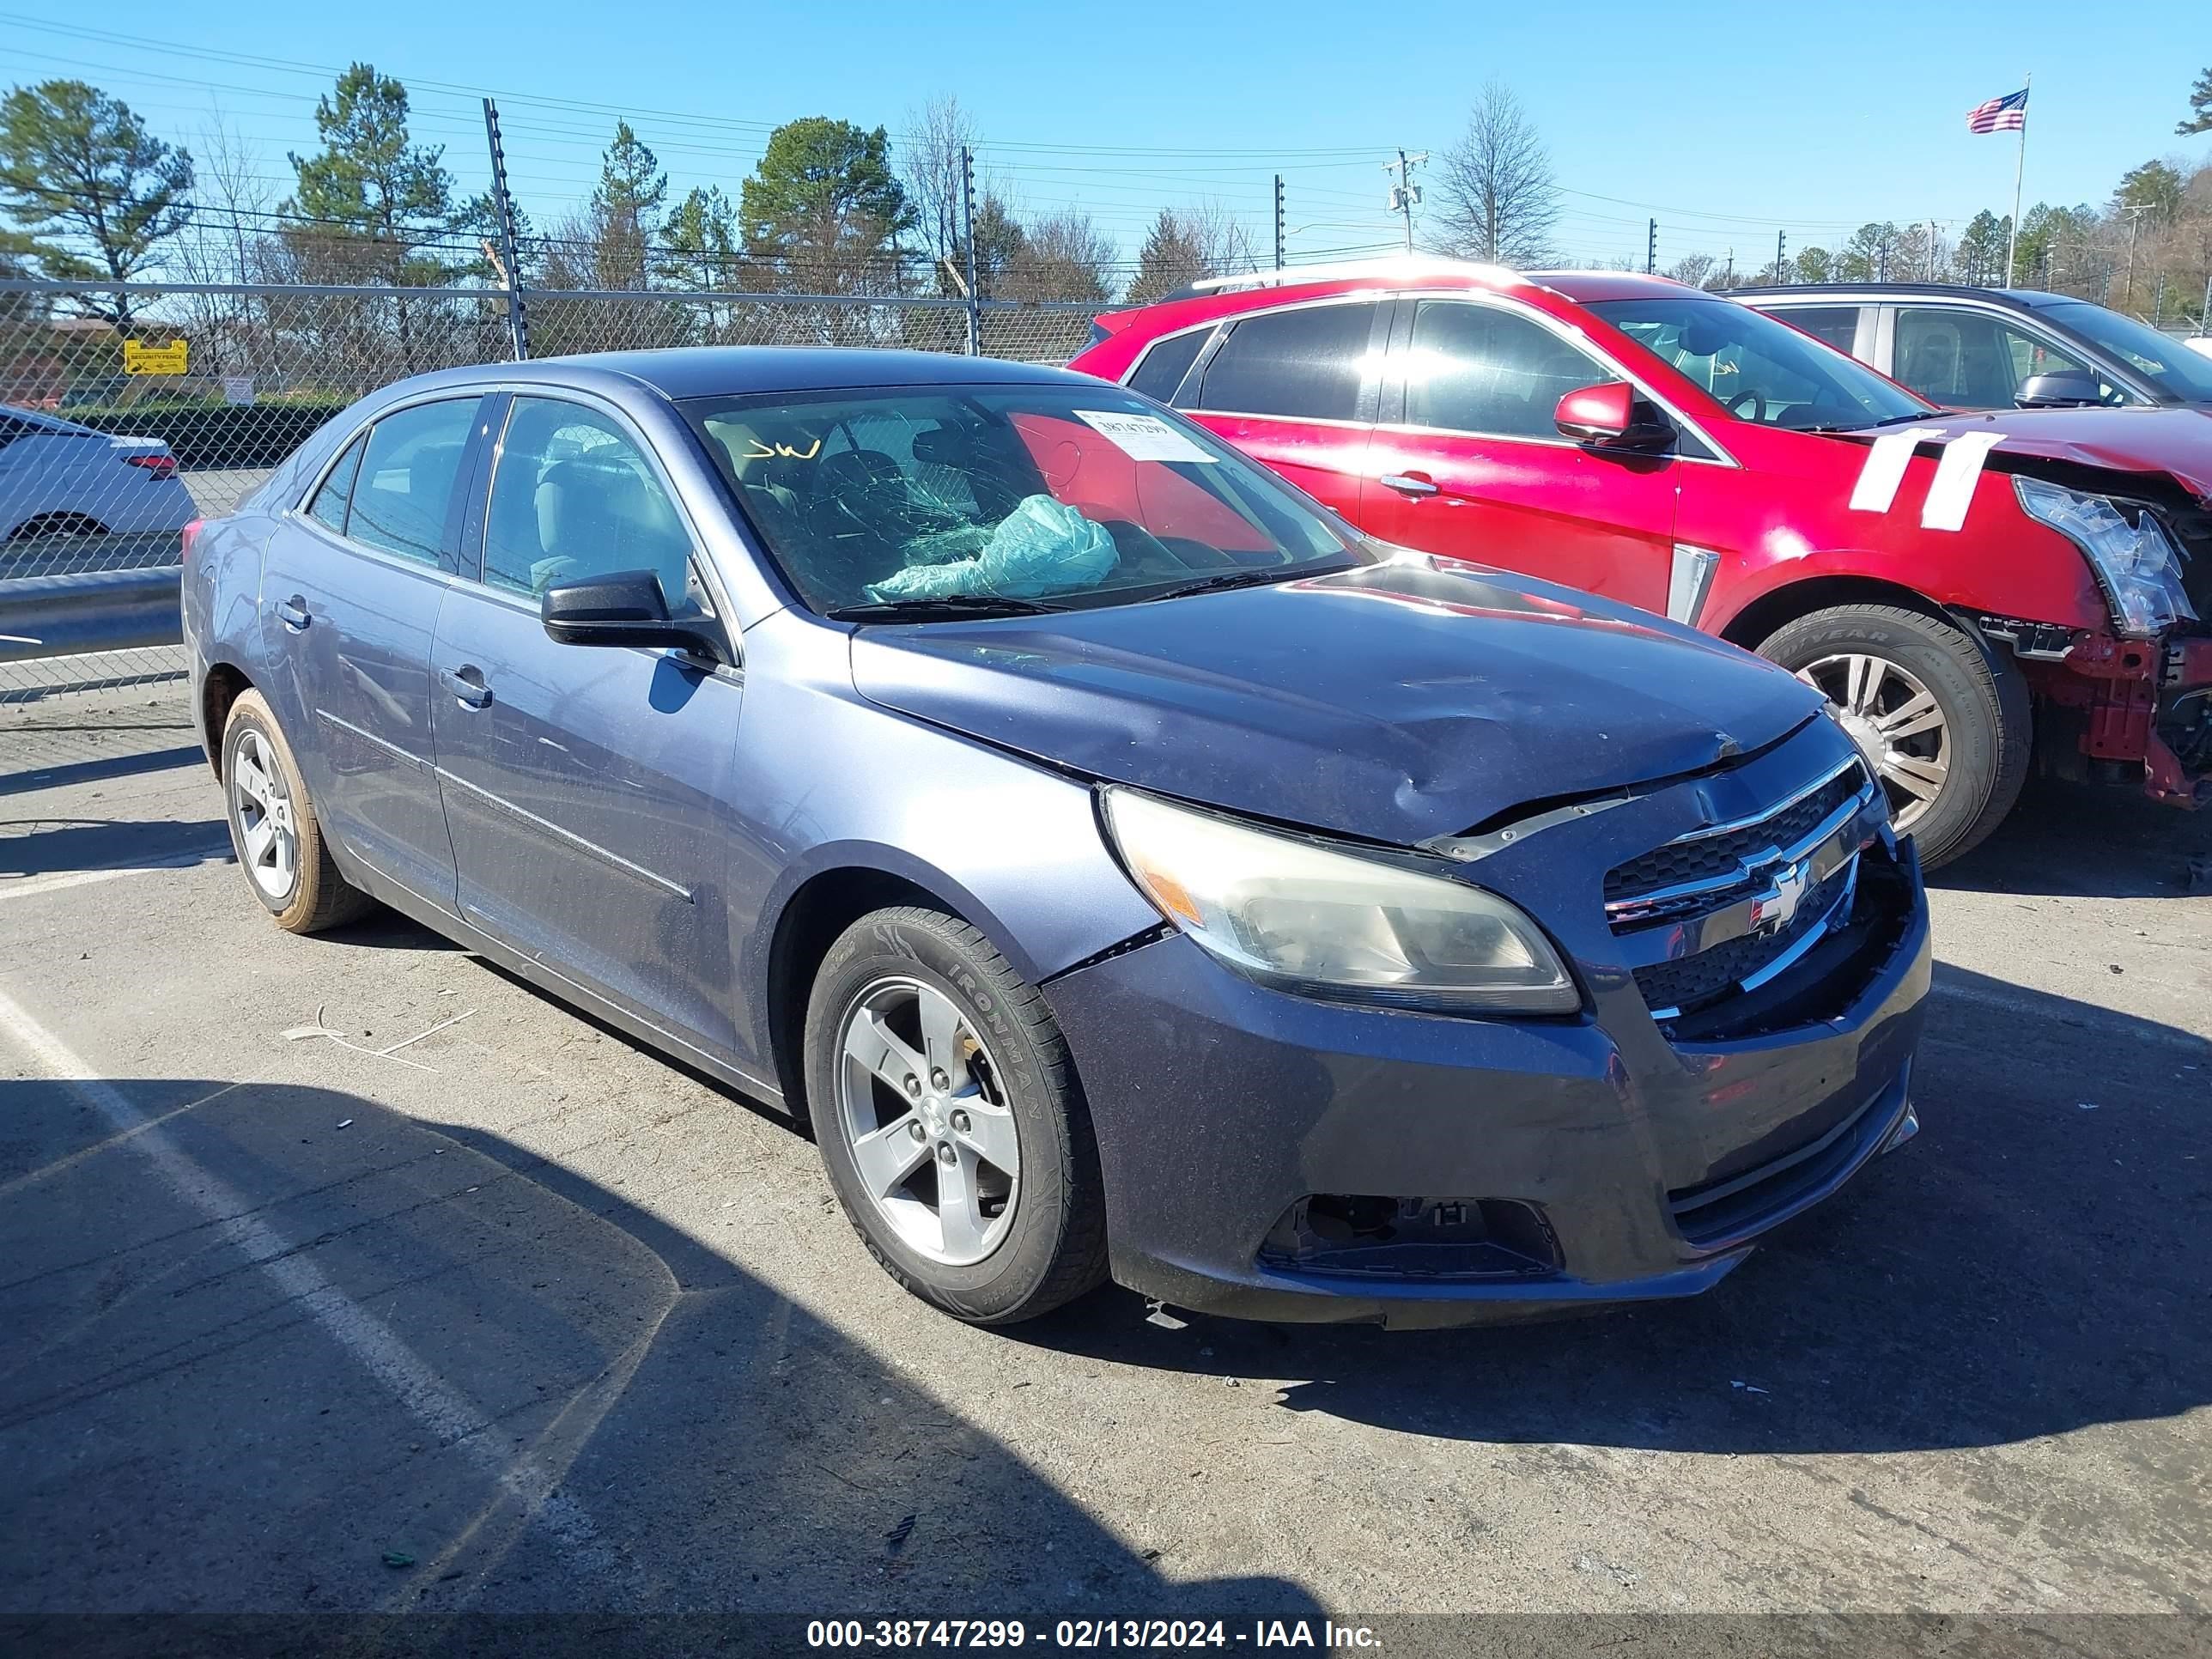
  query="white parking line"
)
[
  {"x": 361, "y": 1333},
  {"x": 55, "y": 882}
]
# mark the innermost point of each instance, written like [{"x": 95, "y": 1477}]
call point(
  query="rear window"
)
[
  {"x": 1310, "y": 364},
  {"x": 1162, "y": 369}
]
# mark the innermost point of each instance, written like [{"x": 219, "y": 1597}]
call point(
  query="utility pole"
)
[
  {"x": 968, "y": 232},
  {"x": 508, "y": 264},
  {"x": 1935, "y": 241},
  {"x": 1882, "y": 258},
  {"x": 1781, "y": 252},
  {"x": 1278, "y": 221},
  {"x": 1651, "y": 249},
  {"x": 2135, "y": 230},
  {"x": 1405, "y": 192},
  {"x": 1728, "y": 276}
]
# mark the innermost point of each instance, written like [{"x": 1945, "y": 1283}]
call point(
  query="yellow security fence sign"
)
[{"x": 139, "y": 357}]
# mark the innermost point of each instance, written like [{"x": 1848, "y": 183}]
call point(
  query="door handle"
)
[
  {"x": 467, "y": 685},
  {"x": 1409, "y": 484},
  {"x": 293, "y": 613}
]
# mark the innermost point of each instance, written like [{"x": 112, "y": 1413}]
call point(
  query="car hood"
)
[
  {"x": 1397, "y": 701},
  {"x": 2175, "y": 441}
]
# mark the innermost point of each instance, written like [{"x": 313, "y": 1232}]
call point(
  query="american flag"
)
[{"x": 2005, "y": 114}]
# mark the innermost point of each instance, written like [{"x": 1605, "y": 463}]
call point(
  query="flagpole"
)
[{"x": 2018, "y": 170}]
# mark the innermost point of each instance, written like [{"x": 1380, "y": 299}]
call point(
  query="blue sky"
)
[{"x": 1727, "y": 122}]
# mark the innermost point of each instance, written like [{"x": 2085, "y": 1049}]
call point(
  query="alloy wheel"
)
[
  {"x": 927, "y": 1122},
  {"x": 268, "y": 834},
  {"x": 1896, "y": 722}
]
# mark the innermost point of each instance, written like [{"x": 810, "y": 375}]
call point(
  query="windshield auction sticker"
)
[{"x": 1144, "y": 437}]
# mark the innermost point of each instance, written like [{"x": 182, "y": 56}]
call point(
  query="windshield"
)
[
  {"x": 2178, "y": 371},
  {"x": 1762, "y": 370},
  {"x": 1031, "y": 496}
]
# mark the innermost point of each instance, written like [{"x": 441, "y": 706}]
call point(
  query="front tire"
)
[
  {"x": 950, "y": 1120},
  {"x": 273, "y": 828},
  {"x": 1943, "y": 725}
]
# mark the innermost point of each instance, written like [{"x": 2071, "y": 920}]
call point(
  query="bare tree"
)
[
  {"x": 929, "y": 166},
  {"x": 1185, "y": 244},
  {"x": 1063, "y": 256},
  {"x": 1695, "y": 269},
  {"x": 1499, "y": 202}
]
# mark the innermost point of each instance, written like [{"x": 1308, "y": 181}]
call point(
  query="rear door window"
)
[
  {"x": 1839, "y": 326},
  {"x": 405, "y": 488},
  {"x": 1162, "y": 369},
  {"x": 1311, "y": 364},
  {"x": 1481, "y": 369}
]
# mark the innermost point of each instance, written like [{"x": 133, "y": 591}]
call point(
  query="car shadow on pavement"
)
[
  {"x": 291, "y": 1350},
  {"x": 42, "y": 846},
  {"x": 2072, "y": 841},
  {"x": 2035, "y": 1262}
]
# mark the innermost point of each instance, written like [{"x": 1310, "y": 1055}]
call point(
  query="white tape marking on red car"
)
[
  {"x": 1956, "y": 474},
  {"x": 1887, "y": 459}
]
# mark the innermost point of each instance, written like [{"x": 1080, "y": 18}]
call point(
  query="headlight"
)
[
  {"x": 2135, "y": 563},
  {"x": 1335, "y": 923}
]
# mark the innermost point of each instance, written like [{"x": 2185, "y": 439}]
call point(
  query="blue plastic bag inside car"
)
[{"x": 1042, "y": 547}]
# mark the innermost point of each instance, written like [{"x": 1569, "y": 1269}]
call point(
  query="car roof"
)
[
  {"x": 736, "y": 371},
  {"x": 2026, "y": 299},
  {"x": 1227, "y": 295}
]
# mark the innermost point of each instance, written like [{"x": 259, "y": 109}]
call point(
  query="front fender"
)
[{"x": 829, "y": 781}]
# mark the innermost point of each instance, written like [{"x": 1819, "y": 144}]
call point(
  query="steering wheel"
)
[{"x": 1733, "y": 405}]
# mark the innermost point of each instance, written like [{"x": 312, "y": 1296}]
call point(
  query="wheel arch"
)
[
  {"x": 820, "y": 909},
  {"x": 1754, "y": 623},
  {"x": 222, "y": 684}
]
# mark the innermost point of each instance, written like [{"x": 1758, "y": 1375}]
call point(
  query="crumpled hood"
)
[
  {"x": 1397, "y": 701},
  {"x": 2175, "y": 441}
]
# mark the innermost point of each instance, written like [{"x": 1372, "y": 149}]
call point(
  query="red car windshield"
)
[
  {"x": 1046, "y": 494},
  {"x": 1760, "y": 369}
]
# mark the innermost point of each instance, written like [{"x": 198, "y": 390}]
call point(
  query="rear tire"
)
[
  {"x": 57, "y": 527},
  {"x": 1891, "y": 663},
  {"x": 995, "y": 1211},
  {"x": 273, "y": 829}
]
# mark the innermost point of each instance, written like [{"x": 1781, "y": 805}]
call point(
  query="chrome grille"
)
[
  {"x": 1729, "y": 908},
  {"x": 1696, "y": 872},
  {"x": 1686, "y": 982}
]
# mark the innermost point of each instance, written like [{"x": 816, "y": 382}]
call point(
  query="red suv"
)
[{"x": 1969, "y": 589}]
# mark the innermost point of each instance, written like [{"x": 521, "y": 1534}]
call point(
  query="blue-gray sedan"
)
[{"x": 1131, "y": 871}]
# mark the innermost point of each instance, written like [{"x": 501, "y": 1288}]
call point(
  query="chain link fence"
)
[{"x": 127, "y": 412}]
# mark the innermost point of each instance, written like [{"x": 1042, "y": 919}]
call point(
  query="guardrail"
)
[{"x": 89, "y": 611}]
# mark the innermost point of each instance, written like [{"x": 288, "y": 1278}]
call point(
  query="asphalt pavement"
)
[{"x": 347, "y": 1273}]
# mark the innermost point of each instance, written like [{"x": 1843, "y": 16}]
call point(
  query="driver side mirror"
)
[
  {"x": 1611, "y": 416},
  {"x": 624, "y": 607},
  {"x": 2062, "y": 388}
]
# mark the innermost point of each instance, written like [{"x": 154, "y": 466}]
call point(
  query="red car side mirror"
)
[{"x": 1611, "y": 416}]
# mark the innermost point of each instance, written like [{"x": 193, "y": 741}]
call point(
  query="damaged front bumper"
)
[
  {"x": 2118, "y": 710},
  {"x": 1270, "y": 1156}
]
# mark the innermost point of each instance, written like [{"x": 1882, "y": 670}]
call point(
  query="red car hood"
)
[{"x": 2175, "y": 441}]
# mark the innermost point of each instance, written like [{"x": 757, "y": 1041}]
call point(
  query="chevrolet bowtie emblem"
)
[{"x": 1777, "y": 908}]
